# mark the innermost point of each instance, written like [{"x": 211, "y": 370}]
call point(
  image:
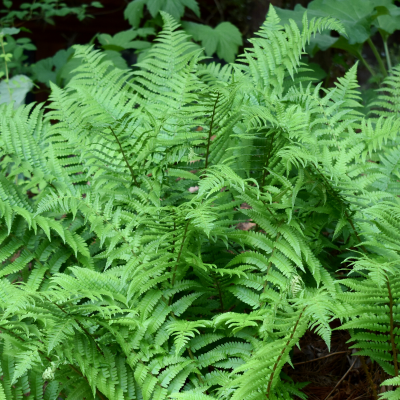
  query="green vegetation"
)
[{"x": 124, "y": 274}]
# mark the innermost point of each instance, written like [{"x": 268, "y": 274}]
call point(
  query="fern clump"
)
[{"x": 124, "y": 275}]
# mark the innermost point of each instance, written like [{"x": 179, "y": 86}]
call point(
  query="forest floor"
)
[{"x": 334, "y": 374}]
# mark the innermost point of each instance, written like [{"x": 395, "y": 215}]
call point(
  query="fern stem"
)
[
  {"x": 394, "y": 350},
  {"x": 355, "y": 230},
  {"x": 377, "y": 56},
  {"x": 192, "y": 358},
  {"x": 126, "y": 160},
  {"x": 282, "y": 352},
  {"x": 210, "y": 131},
  {"x": 267, "y": 161},
  {"x": 346, "y": 213},
  {"x": 178, "y": 259},
  {"x": 270, "y": 262},
  {"x": 273, "y": 251},
  {"x": 220, "y": 295},
  {"x": 84, "y": 330}
]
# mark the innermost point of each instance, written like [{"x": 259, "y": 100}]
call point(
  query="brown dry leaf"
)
[
  {"x": 15, "y": 256},
  {"x": 245, "y": 226}
]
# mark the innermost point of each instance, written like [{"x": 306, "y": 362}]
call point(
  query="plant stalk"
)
[
  {"x": 389, "y": 61},
  {"x": 211, "y": 130},
  {"x": 364, "y": 61},
  {"x": 378, "y": 57},
  {"x": 179, "y": 255},
  {"x": 282, "y": 352},
  {"x": 126, "y": 160}
]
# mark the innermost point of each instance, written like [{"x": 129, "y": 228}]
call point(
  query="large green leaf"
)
[
  {"x": 355, "y": 15},
  {"x": 343, "y": 44},
  {"x": 15, "y": 90},
  {"x": 59, "y": 68},
  {"x": 10, "y": 31},
  {"x": 176, "y": 8},
  {"x": 52, "y": 69},
  {"x": 388, "y": 16},
  {"x": 124, "y": 40},
  {"x": 116, "y": 58},
  {"x": 134, "y": 12},
  {"x": 223, "y": 39},
  {"x": 43, "y": 71}
]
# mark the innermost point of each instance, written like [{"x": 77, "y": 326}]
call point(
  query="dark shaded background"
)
[{"x": 247, "y": 15}]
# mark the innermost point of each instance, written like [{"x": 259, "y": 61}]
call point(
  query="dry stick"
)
[
  {"x": 344, "y": 376},
  {"x": 369, "y": 377},
  {"x": 361, "y": 397},
  {"x": 221, "y": 12},
  {"x": 320, "y": 358}
]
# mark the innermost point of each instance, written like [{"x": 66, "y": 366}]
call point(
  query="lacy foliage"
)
[{"x": 118, "y": 282}]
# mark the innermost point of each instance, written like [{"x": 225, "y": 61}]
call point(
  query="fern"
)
[{"x": 119, "y": 281}]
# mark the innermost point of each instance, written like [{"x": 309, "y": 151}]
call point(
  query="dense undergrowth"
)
[{"x": 124, "y": 275}]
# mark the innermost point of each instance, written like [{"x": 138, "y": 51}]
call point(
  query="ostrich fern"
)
[{"x": 117, "y": 282}]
